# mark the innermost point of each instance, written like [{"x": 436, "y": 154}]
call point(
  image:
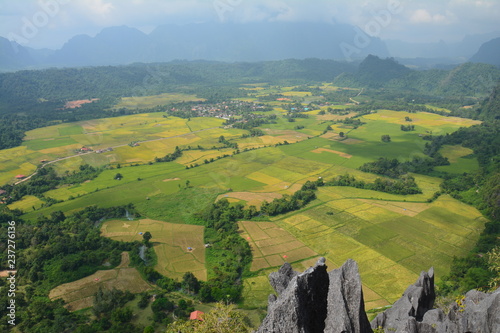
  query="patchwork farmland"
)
[
  {"x": 79, "y": 294},
  {"x": 392, "y": 237},
  {"x": 179, "y": 248}
]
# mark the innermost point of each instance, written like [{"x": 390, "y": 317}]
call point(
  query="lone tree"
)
[
  {"x": 386, "y": 138},
  {"x": 118, "y": 176},
  {"x": 341, "y": 134},
  {"x": 146, "y": 237}
]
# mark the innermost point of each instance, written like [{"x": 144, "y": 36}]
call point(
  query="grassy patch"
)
[{"x": 179, "y": 248}]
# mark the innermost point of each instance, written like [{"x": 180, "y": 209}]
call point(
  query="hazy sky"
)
[{"x": 50, "y": 23}]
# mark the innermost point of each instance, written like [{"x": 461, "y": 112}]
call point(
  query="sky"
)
[{"x": 50, "y": 23}]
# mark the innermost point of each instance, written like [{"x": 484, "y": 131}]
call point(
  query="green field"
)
[
  {"x": 461, "y": 159},
  {"x": 392, "y": 237},
  {"x": 79, "y": 294},
  {"x": 179, "y": 248}
]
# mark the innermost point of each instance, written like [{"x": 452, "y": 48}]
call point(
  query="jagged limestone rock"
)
[
  {"x": 416, "y": 301},
  {"x": 279, "y": 280},
  {"x": 301, "y": 307},
  {"x": 346, "y": 308},
  {"x": 478, "y": 312},
  {"x": 316, "y": 301}
]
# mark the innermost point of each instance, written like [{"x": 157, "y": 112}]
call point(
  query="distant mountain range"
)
[
  {"x": 241, "y": 43},
  {"x": 210, "y": 41},
  {"x": 457, "y": 51},
  {"x": 488, "y": 53}
]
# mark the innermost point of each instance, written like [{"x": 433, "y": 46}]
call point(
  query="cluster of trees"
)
[
  {"x": 110, "y": 311},
  {"x": 250, "y": 120},
  {"x": 230, "y": 253},
  {"x": 291, "y": 117},
  {"x": 170, "y": 157},
  {"x": 395, "y": 169},
  {"x": 164, "y": 309},
  {"x": 253, "y": 133},
  {"x": 293, "y": 202},
  {"x": 405, "y": 184},
  {"x": 227, "y": 143},
  {"x": 47, "y": 179},
  {"x": 407, "y": 128},
  {"x": 56, "y": 250}
]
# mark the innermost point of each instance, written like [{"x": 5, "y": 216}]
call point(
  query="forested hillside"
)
[
  {"x": 465, "y": 80},
  {"x": 33, "y": 99},
  {"x": 480, "y": 189}
]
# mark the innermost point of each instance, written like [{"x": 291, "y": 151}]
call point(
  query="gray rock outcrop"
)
[
  {"x": 279, "y": 280},
  {"x": 346, "y": 307},
  {"x": 415, "y": 302},
  {"x": 301, "y": 305},
  {"x": 316, "y": 301},
  {"x": 478, "y": 312}
]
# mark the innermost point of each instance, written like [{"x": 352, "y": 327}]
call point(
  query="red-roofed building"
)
[
  {"x": 196, "y": 315},
  {"x": 20, "y": 176}
]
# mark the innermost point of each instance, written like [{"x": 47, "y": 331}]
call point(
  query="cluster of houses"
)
[
  {"x": 100, "y": 151},
  {"x": 88, "y": 150},
  {"x": 223, "y": 110},
  {"x": 84, "y": 150}
]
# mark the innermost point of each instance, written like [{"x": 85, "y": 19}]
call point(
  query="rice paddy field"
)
[
  {"x": 79, "y": 294},
  {"x": 179, "y": 248},
  {"x": 157, "y": 135},
  {"x": 392, "y": 237}
]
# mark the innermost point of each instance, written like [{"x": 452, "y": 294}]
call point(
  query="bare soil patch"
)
[
  {"x": 171, "y": 179},
  {"x": 78, "y": 103},
  {"x": 341, "y": 154}
]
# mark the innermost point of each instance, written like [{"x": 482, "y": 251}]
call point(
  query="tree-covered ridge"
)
[
  {"x": 151, "y": 79},
  {"x": 52, "y": 251},
  {"x": 468, "y": 79},
  {"x": 376, "y": 72},
  {"x": 480, "y": 189},
  {"x": 490, "y": 109}
]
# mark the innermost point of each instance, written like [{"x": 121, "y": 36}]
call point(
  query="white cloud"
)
[
  {"x": 98, "y": 7},
  {"x": 424, "y": 16},
  {"x": 421, "y": 16},
  {"x": 448, "y": 18}
]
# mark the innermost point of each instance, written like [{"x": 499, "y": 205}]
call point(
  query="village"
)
[{"x": 223, "y": 110}]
